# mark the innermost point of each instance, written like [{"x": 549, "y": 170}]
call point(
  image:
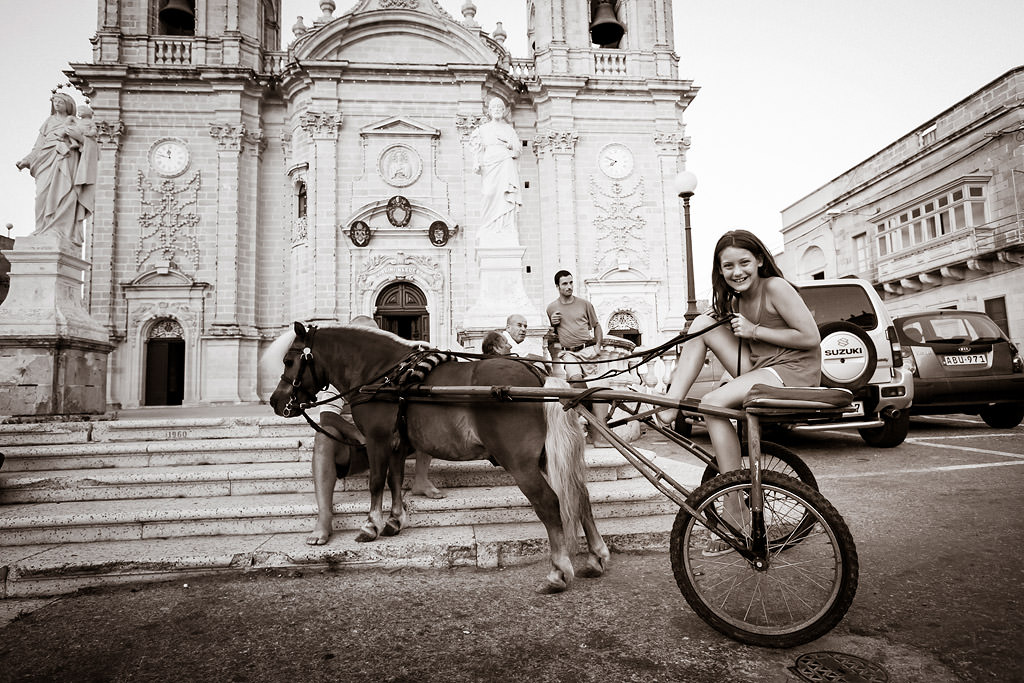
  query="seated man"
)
[{"x": 495, "y": 344}]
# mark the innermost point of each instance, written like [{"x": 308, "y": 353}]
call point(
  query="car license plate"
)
[
  {"x": 965, "y": 359},
  {"x": 856, "y": 409}
]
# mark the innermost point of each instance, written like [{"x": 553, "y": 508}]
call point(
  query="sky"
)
[{"x": 792, "y": 92}]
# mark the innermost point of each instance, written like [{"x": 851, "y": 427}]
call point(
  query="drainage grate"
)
[{"x": 837, "y": 667}]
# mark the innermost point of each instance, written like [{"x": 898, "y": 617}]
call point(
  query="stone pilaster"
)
[
  {"x": 671, "y": 148},
  {"x": 101, "y": 292},
  {"x": 323, "y": 128},
  {"x": 555, "y": 150}
]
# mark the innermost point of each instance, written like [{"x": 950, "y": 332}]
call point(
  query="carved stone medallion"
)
[{"x": 399, "y": 165}]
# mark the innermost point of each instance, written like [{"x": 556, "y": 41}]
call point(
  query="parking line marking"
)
[
  {"x": 983, "y": 435},
  {"x": 1018, "y": 456},
  {"x": 944, "y": 468}
]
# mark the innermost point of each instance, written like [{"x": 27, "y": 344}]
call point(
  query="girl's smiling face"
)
[{"x": 739, "y": 268}]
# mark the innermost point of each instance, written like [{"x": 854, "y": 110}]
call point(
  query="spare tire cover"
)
[{"x": 848, "y": 356}]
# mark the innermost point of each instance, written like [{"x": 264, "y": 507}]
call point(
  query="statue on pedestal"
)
[
  {"x": 496, "y": 147},
  {"x": 63, "y": 163}
]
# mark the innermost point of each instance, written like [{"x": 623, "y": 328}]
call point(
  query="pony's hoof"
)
[
  {"x": 365, "y": 537},
  {"x": 391, "y": 528},
  {"x": 551, "y": 587}
]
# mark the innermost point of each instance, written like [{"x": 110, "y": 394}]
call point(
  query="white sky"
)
[{"x": 793, "y": 92}]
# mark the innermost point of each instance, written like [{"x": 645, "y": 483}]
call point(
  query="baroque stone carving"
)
[
  {"x": 168, "y": 221},
  {"x": 108, "y": 133},
  {"x": 321, "y": 124},
  {"x": 177, "y": 311},
  {"x": 671, "y": 143},
  {"x": 399, "y": 4},
  {"x": 400, "y": 266},
  {"x": 466, "y": 124},
  {"x": 166, "y": 329},
  {"x": 228, "y": 136},
  {"x": 620, "y": 225},
  {"x": 557, "y": 141}
]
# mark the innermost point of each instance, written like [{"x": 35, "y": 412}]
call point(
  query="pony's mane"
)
[
  {"x": 273, "y": 356},
  {"x": 389, "y": 335}
]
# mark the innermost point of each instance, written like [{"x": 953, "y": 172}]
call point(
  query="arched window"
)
[
  {"x": 301, "y": 203},
  {"x": 624, "y": 324}
]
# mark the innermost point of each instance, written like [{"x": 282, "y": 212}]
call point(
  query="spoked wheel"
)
[
  {"x": 774, "y": 458},
  {"x": 800, "y": 591},
  {"x": 779, "y": 459}
]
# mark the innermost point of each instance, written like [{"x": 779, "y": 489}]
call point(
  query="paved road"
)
[{"x": 937, "y": 523}]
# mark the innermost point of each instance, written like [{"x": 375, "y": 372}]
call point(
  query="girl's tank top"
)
[{"x": 796, "y": 367}]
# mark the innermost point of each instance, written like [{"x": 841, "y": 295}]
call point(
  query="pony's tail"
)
[{"x": 566, "y": 470}]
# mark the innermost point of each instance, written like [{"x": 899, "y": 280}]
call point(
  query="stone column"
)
[{"x": 53, "y": 355}]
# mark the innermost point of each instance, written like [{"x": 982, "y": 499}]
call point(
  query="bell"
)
[
  {"x": 178, "y": 14},
  {"x": 606, "y": 28}
]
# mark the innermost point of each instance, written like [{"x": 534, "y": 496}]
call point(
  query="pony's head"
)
[{"x": 301, "y": 379}]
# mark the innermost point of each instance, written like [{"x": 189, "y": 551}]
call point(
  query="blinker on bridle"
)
[{"x": 294, "y": 406}]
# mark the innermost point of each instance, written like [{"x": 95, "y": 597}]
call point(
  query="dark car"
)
[{"x": 962, "y": 363}]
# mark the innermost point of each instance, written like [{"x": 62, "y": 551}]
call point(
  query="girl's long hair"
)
[{"x": 722, "y": 295}]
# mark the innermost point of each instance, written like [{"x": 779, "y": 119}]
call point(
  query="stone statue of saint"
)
[
  {"x": 496, "y": 148},
  {"x": 63, "y": 163}
]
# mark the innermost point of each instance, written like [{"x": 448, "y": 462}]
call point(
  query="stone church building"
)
[{"x": 242, "y": 187}]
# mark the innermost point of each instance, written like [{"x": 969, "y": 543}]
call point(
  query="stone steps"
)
[
  {"x": 117, "y": 501},
  {"x": 56, "y": 569},
  {"x": 247, "y": 477},
  {"x": 121, "y": 520}
]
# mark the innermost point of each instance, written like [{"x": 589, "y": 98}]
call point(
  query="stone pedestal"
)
[
  {"x": 53, "y": 354},
  {"x": 500, "y": 290}
]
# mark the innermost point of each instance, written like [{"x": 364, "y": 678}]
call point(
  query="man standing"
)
[
  {"x": 515, "y": 332},
  {"x": 579, "y": 334}
]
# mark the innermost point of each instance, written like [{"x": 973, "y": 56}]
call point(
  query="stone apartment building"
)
[
  {"x": 243, "y": 186},
  {"x": 935, "y": 219}
]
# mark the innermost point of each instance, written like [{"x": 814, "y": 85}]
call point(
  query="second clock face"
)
[
  {"x": 169, "y": 157},
  {"x": 616, "y": 161}
]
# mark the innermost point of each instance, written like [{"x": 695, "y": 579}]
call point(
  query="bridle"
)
[{"x": 306, "y": 363}]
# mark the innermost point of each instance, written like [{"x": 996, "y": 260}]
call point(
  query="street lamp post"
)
[{"x": 685, "y": 184}]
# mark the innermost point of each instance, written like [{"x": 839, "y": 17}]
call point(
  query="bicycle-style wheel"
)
[
  {"x": 800, "y": 591},
  {"x": 777, "y": 458},
  {"x": 774, "y": 458}
]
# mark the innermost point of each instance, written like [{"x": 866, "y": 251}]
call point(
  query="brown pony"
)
[{"x": 540, "y": 444}]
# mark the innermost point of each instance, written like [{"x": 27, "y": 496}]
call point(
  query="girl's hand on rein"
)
[{"x": 743, "y": 328}]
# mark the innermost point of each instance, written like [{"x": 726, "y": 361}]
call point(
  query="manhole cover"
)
[{"x": 837, "y": 667}]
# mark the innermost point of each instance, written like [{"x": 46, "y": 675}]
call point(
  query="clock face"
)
[
  {"x": 169, "y": 157},
  {"x": 616, "y": 161}
]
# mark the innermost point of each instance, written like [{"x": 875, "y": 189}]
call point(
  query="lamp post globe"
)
[{"x": 685, "y": 183}]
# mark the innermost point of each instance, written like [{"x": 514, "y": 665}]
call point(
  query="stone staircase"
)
[{"x": 153, "y": 498}]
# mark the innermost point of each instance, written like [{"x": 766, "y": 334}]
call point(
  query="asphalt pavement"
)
[{"x": 937, "y": 523}]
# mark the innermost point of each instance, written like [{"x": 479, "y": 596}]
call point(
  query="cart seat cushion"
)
[{"x": 797, "y": 398}]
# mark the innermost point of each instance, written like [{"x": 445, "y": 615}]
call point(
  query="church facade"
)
[{"x": 242, "y": 187}]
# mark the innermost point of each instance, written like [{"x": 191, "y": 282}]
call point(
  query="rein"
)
[{"x": 416, "y": 364}]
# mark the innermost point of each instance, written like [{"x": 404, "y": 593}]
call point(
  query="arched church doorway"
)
[
  {"x": 402, "y": 310},
  {"x": 165, "y": 364}
]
